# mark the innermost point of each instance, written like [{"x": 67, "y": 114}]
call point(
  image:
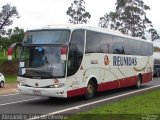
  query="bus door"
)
[{"x": 75, "y": 57}]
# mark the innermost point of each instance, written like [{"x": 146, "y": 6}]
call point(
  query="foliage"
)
[
  {"x": 14, "y": 35},
  {"x": 77, "y": 12},
  {"x": 11, "y": 78},
  {"x": 8, "y": 67},
  {"x": 6, "y": 14},
  {"x": 156, "y": 49},
  {"x": 154, "y": 34},
  {"x": 130, "y": 18},
  {"x": 4, "y": 42}
]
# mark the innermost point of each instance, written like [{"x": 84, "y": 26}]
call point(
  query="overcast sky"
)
[{"x": 35, "y": 13}]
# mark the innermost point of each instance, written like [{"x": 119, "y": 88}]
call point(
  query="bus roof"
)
[{"x": 96, "y": 29}]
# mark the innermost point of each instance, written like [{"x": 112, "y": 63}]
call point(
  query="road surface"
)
[{"x": 18, "y": 104}]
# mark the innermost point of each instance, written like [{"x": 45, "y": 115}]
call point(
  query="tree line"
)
[{"x": 129, "y": 18}]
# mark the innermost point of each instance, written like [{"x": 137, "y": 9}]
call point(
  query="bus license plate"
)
[{"x": 36, "y": 92}]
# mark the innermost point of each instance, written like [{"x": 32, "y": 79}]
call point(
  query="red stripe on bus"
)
[
  {"x": 76, "y": 92},
  {"x": 130, "y": 81}
]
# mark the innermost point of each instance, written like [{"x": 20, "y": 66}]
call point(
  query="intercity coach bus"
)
[{"x": 66, "y": 61}]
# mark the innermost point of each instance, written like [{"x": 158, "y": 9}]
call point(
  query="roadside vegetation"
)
[
  {"x": 8, "y": 68},
  {"x": 2, "y": 57},
  {"x": 11, "y": 78},
  {"x": 141, "y": 107}
]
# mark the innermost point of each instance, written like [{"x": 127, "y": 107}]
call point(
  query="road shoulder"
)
[{"x": 8, "y": 89}]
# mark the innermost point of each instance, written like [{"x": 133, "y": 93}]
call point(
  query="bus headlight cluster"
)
[
  {"x": 57, "y": 85},
  {"x": 22, "y": 84}
]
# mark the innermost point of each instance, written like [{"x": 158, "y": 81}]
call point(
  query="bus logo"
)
[{"x": 106, "y": 60}]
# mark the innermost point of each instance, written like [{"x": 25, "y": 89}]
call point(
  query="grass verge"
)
[
  {"x": 11, "y": 79},
  {"x": 141, "y": 107}
]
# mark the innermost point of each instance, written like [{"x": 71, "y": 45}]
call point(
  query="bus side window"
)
[
  {"x": 118, "y": 46},
  {"x": 128, "y": 47},
  {"x": 76, "y": 52},
  {"x": 106, "y": 43},
  {"x": 93, "y": 40}
]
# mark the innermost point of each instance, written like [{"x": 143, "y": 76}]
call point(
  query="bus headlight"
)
[
  {"x": 22, "y": 84},
  {"x": 57, "y": 85}
]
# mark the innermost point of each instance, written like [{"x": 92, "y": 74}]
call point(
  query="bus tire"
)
[
  {"x": 91, "y": 90},
  {"x": 139, "y": 81}
]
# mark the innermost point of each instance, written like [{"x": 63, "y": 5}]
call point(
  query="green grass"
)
[
  {"x": 141, "y": 107},
  {"x": 11, "y": 79},
  {"x": 2, "y": 57}
]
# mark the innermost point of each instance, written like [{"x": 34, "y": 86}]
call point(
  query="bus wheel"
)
[
  {"x": 139, "y": 81},
  {"x": 91, "y": 89}
]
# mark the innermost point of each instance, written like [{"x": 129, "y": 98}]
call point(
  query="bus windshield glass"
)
[
  {"x": 42, "y": 62},
  {"x": 46, "y": 37}
]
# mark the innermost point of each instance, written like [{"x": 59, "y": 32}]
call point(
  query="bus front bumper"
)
[{"x": 48, "y": 92}]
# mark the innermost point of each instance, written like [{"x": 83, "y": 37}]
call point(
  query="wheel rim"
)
[
  {"x": 138, "y": 83},
  {"x": 90, "y": 89}
]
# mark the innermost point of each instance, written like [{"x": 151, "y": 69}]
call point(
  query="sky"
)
[{"x": 37, "y": 13}]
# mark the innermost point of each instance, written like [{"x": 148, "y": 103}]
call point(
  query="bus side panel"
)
[
  {"x": 108, "y": 85},
  {"x": 128, "y": 81},
  {"x": 76, "y": 92},
  {"x": 147, "y": 77}
]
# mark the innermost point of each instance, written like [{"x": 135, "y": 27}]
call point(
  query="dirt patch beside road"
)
[{"x": 8, "y": 89}]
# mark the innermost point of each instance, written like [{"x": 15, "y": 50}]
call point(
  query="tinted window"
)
[
  {"x": 77, "y": 40},
  {"x": 145, "y": 49},
  {"x": 46, "y": 37},
  {"x": 150, "y": 49},
  {"x": 44, "y": 62},
  {"x": 93, "y": 42},
  {"x": 136, "y": 47},
  {"x": 106, "y": 43},
  {"x": 128, "y": 47},
  {"x": 75, "y": 52},
  {"x": 118, "y": 46}
]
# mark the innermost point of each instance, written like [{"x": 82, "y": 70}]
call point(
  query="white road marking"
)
[
  {"x": 91, "y": 103},
  {"x": 9, "y": 94},
  {"x": 19, "y": 101}
]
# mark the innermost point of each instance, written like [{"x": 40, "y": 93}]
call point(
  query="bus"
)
[
  {"x": 156, "y": 65},
  {"x": 67, "y": 61}
]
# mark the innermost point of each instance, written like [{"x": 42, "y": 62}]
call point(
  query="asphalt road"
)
[{"x": 34, "y": 105}]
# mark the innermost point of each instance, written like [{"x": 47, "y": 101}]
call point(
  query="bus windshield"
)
[
  {"x": 41, "y": 54},
  {"x": 46, "y": 37},
  {"x": 42, "y": 62}
]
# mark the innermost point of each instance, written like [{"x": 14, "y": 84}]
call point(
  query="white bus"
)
[{"x": 68, "y": 61}]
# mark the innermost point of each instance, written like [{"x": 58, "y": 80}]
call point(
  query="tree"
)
[
  {"x": 130, "y": 18},
  {"x": 14, "y": 35},
  {"x": 4, "y": 44},
  {"x": 6, "y": 14},
  {"x": 154, "y": 34},
  {"x": 77, "y": 12}
]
